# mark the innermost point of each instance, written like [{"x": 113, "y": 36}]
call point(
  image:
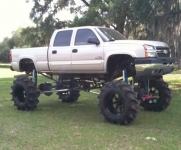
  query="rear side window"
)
[
  {"x": 83, "y": 35},
  {"x": 63, "y": 38}
]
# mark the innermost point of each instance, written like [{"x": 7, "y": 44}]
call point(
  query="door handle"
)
[
  {"x": 54, "y": 52},
  {"x": 74, "y": 51}
]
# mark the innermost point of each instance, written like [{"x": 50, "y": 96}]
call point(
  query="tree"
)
[
  {"x": 16, "y": 38},
  {"x": 162, "y": 21},
  {"x": 137, "y": 19},
  {"x": 16, "y": 41},
  {"x": 5, "y": 46}
]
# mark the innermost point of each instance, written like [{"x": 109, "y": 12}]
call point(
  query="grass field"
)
[
  {"x": 80, "y": 126},
  {"x": 4, "y": 65}
]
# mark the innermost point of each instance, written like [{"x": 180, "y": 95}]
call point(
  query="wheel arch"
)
[
  {"x": 111, "y": 54},
  {"x": 27, "y": 64},
  {"x": 126, "y": 61}
]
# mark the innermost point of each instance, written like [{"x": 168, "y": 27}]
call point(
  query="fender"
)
[
  {"x": 111, "y": 53},
  {"x": 28, "y": 57}
]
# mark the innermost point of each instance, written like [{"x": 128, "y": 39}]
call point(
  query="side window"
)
[
  {"x": 83, "y": 35},
  {"x": 63, "y": 38}
]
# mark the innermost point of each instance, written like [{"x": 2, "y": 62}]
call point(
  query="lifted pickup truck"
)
[{"x": 86, "y": 58}]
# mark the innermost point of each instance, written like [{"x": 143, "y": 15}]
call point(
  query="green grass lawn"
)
[
  {"x": 80, "y": 126},
  {"x": 7, "y": 73},
  {"x": 4, "y": 65}
]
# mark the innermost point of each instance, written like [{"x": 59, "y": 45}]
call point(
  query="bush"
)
[{"x": 4, "y": 56}]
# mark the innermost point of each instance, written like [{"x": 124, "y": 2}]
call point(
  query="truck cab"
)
[{"x": 95, "y": 50}]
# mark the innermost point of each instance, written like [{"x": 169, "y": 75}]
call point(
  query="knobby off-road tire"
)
[
  {"x": 159, "y": 88},
  {"x": 24, "y": 94},
  {"x": 68, "y": 96},
  {"x": 118, "y": 103}
]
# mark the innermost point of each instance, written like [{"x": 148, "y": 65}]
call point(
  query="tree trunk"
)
[
  {"x": 120, "y": 26},
  {"x": 177, "y": 34}
]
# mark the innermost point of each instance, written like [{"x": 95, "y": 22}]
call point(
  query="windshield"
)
[{"x": 108, "y": 34}]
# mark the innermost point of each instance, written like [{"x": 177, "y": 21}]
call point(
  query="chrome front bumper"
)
[{"x": 153, "y": 66}]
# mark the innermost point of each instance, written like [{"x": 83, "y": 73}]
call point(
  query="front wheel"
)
[{"x": 118, "y": 103}]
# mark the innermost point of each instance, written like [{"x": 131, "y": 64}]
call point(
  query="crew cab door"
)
[
  {"x": 86, "y": 56},
  {"x": 60, "y": 51}
]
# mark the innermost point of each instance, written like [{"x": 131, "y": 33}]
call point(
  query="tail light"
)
[{"x": 10, "y": 56}]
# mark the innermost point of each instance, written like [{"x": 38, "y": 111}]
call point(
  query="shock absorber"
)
[
  {"x": 125, "y": 76},
  {"x": 35, "y": 77},
  {"x": 147, "y": 86}
]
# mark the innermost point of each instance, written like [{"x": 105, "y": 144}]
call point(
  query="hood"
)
[{"x": 139, "y": 42}]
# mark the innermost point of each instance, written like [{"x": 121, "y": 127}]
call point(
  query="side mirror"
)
[{"x": 93, "y": 41}]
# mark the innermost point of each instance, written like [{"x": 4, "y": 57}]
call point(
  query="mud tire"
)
[
  {"x": 24, "y": 94},
  {"x": 68, "y": 96},
  {"x": 164, "y": 94},
  {"x": 115, "y": 95}
]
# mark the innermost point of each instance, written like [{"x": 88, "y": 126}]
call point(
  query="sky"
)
[{"x": 15, "y": 14}]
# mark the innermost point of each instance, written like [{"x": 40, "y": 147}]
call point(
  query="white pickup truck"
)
[
  {"x": 92, "y": 57},
  {"x": 94, "y": 50}
]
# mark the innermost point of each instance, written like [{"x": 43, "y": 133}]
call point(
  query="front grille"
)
[{"x": 163, "y": 51}]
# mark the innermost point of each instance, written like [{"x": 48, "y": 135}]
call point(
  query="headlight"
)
[{"x": 150, "y": 51}]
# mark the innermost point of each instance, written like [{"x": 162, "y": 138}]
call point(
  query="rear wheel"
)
[
  {"x": 162, "y": 96},
  {"x": 68, "y": 96},
  {"x": 118, "y": 103},
  {"x": 25, "y": 94}
]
